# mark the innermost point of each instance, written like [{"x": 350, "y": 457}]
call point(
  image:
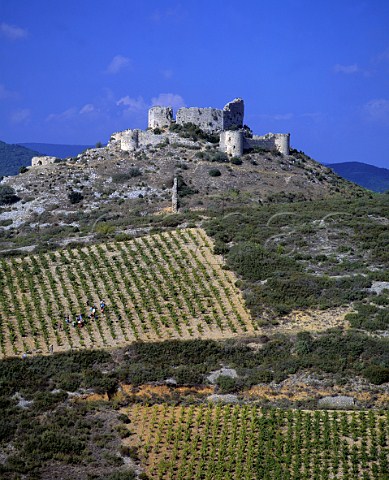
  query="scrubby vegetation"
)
[
  {"x": 51, "y": 427},
  {"x": 7, "y": 195},
  {"x": 313, "y": 254},
  {"x": 190, "y": 130}
]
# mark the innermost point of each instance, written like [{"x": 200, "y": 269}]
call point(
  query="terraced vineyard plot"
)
[
  {"x": 246, "y": 442},
  {"x": 157, "y": 287}
]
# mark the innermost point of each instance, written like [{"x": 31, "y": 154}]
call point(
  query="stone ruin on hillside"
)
[
  {"x": 227, "y": 123},
  {"x": 44, "y": 160},
  {"x": 234, "y": 136}
]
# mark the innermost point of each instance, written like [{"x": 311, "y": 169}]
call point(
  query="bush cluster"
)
[
  {"x": 190, "y": 130},
  {"x": 7, "y": 195}
]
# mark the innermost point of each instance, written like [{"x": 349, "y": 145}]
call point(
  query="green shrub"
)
[
  {"x": 220, "y": 248},
  {"x": 75, "y": 197},
  {"x": 214, "y": 172},
  {"x": 105, "y": 228},
  {"x": 226, "y": 384},
  {"x": 134, "y": 172},
  {"x": 125, "y": 176},
  {"x": 6, "y": 223},
  {"x": 219, "y": 157},
  {"x": 183, "y": 189},
  {"x": 50, "y": 442},
  {"x": 7, "y": 195},
  {"x": 376, "y": 374},
  {"x": 122, "y": 237},
  {"x": 236, "y": 161}
]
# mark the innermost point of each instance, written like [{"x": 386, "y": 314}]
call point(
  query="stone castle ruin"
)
[
  {"x": 234, "y": 136},
  {"x": 227, "y": 123},
  {"x": 44, "y": 160}
]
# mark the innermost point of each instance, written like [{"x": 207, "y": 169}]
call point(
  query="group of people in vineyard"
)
[{"x": 79, "y": 321}]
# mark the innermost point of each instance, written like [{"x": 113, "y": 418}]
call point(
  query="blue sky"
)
[{"x": 76, "y": 71}]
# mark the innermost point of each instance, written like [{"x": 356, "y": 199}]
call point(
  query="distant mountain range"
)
[
  {"x": 55, "y": 150},
  {"x": 14, "y": 156},
  {"x": 363, "y": 174}
]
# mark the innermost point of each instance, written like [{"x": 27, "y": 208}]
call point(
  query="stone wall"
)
[
  {"x": 44, "y": 160},
  {"x": 233, "y": 114},
  {"x": 131, "y": 140},
  {"x": 233, "y": 142},
  {"x": 270, "y": 141},
  {"x": 208, "y": 119},
  {"x": 213, "y": 120},
  {"x": 160, "y": 117}
]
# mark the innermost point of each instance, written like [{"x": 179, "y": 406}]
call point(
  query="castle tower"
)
[
  {"x": 231, "y": 142},
  {"x": 130, "y": 141},
  {"x": 282, "y": 143},
  {"x": 233, "y": 114},
  {"x": 160, "y": 117}
]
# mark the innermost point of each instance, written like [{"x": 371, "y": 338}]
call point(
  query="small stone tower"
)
[
  {"x": 231, "y": 142},
  {"x": 160, "y": 117},
  {"x": 282, "y": 143},
  {"x": 130, "y": 142}
]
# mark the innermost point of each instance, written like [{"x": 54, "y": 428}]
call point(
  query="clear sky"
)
[{"x": 75, "y": 71}]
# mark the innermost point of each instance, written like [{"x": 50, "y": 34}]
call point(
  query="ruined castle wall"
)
[
  {"x": 150, "y": 138},
  {"x": 232, "y": 142},
  {"x": 270, "y": 141},
  {"x": 131, "y": 140},
  {"x": 160, "y": 117},
  {"x": 208, "y": 119},
  {"x": 44, "y": 160},
  {"x": 233, "y": 114}
]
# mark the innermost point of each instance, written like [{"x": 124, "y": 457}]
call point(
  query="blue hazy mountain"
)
[
  {"x": 12, "y": 157},
  {"x": 55, "y": 150},
  {"x": 363, "y": 174}
]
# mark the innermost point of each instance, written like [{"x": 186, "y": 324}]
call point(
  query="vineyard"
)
[
  {"x": 162, "y": 286},
  {"x": 246, "y": 442}
]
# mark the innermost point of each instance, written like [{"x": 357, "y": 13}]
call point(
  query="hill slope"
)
[
  {"x": 368, "y": 176},
  {"x": 122, "y": 185},
  {"x": 12, "y": 157}
]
